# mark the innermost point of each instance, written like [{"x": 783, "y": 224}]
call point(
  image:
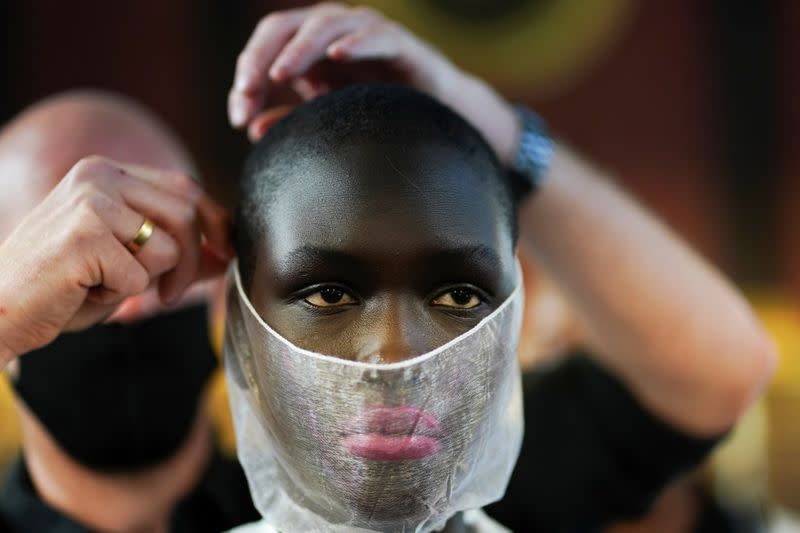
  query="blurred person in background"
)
[
  {"x": 676, "y": 355},
  {"x": 116, "y": 433}
]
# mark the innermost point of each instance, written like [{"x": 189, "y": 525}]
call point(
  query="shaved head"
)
[
  {"x": 40, "y": 145},
  {"x": 400, "y": 136}
]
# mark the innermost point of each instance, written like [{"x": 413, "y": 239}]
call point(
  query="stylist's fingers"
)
[
  {"x": 178, "y": 183},
  {"x": 120, "y": 276},
  {"x": 213, "y": 218},
  {"x": 123, "y": 276},
  {"x": 380, "y": 40},
  {"x": 322, "y": 27},
  {"x": 215, "y": 225},
  {"x": 149, "y": 302},
  {"x": 201, "y": 229},
  {"x": 211, "y": 265},
  {"x": 188, "y": 223},
  {"x": 265, "y": 120},
  {"x": 251, "y": 81},
  {"x": 389, "y": 42},
  {"x": 158, "y": 255},
  {"x": 130, "y": 191},
  {"x": 180, "y": 220},
  {"x": 122, "y": 201},
  {"x": 70, "y": 261},
  {"x": 177, "y": 205}
]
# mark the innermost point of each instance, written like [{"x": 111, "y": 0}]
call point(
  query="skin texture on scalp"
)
[{"x": 383, "y": 194}]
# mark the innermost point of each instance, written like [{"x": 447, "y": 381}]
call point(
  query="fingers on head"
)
[
  {"x": 91, "y": 169},
  {"x": 187, "y": 235},
  {"x": 101, "y": 172},
  {"x": 121, "y": 275},
  {"x": 177, "y": 183},
  {"x": 115, "y": 200},
  {"x": 284, "y": 45},
  {"x": 179, "y": 204},
  {"x": 250, "y": 79},
  {"x": 265, "y": 120},
  {"x": 173, "y": 249},
  {"x": 159, "y": 254},
  {"x": 311, "y": 42},
  {"x": 376, "y": 40}
]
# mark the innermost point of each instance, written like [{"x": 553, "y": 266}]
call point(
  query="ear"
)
[{"x": 265, "y": 120}]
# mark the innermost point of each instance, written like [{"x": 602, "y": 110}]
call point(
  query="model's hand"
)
[
  {"x": 326, "y": 46},
  {"x": 66, "y": 266}
]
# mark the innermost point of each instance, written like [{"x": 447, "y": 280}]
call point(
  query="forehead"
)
[{"x": 387, "y": 200}]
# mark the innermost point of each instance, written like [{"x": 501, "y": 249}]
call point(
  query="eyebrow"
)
[
  {"x": 479, "y": 265},
  {"x": 308, "y": 264},
  {"x": 469, "y": 254},
  {"x": 305, "y": 265}
]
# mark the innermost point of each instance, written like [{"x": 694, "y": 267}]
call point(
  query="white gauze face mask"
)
[{"x": 334, "y": 445}]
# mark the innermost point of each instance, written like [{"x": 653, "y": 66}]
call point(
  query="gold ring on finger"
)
[{"x": 142, "y": 236}]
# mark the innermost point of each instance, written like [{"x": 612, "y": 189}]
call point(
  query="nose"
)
[{"x": 400, "y": 331}]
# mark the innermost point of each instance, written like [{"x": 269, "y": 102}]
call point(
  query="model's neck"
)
[{"x": 139, "y": 502}]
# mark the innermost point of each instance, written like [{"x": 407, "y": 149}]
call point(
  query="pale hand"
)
[
  {"x": 66, "y": 266},
  {"x": 329, "y": 45}
]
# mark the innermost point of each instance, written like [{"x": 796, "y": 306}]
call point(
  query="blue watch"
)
[{"x": 535, "y": 149}]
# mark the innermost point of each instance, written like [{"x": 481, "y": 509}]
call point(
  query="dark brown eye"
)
[
  {"x": 460, "y": 298},
  {"x": 332, "y": 295},
  {"x": 329, "y": 297}
]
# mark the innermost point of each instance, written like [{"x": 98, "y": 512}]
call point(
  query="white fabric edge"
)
[{"x": 376, "y": 366}]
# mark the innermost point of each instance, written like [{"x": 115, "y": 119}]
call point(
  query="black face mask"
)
[{"x": 121, "y": 397}]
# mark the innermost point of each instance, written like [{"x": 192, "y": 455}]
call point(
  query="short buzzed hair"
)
[{"x": 359, "y": 113}]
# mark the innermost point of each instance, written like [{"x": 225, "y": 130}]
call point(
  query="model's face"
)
[{"x": 380, "y": 253}]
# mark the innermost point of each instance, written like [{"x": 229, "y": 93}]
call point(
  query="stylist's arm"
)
[{"x": 108, "y": 231}]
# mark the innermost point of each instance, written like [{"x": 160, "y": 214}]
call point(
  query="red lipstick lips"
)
[{"x": 386, "y": 433}]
